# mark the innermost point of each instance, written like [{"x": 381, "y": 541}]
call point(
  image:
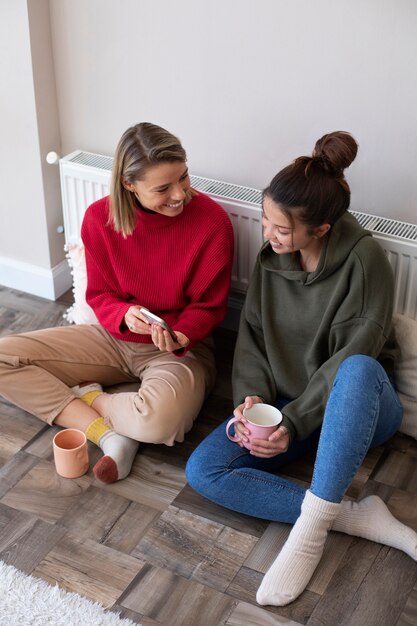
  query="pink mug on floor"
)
[
  {"x": 70, "y": 453},
  {"x": 263, "y": 420}
]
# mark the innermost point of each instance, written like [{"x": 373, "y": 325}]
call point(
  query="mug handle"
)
[{"x": 229, "y": 423}]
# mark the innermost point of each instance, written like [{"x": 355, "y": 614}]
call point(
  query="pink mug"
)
[
  {"x": 70, "y": 453},
  {"x": 263, "y": 420}
]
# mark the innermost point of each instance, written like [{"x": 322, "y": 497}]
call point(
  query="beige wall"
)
[
  {"x": 47, "y": 117},
  {"x": 31, "y": 250},
  {"x": 246, "y": 85},
  {"x": 23, "y": 234}
]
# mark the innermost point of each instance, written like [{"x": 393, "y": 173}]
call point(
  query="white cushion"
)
[
  {"x": 406, "y": 371},
  {"x": 80, "y": 312}
]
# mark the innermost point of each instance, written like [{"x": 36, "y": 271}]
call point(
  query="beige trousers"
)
[{"x": 37, "y": 370}]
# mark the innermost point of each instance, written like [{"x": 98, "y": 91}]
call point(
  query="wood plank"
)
[
  {"x": 13, "y": 324},
  {"x": 409, "y": 615},
  {"x": 392, "y": 573},
  {"x": 412, "y": 447},
  {"x": 136, "y": 618},
  {"x": 14, "y": 470},
  {"x": 24, "y": 539},
  {"x": 9, "y": 516},
  {"x": 364, "y": 472},
  {"x": 195, "y": 548},
  {"x": 399, "y": 442},
  {"x": 131, "y": 526},
  {"x": 94, "y": 514},
  {"x": 44, "y": 493},
  {"x": 372, "y": 487},
  {"x": 248, "y": 615},
  {"x": 268, "y": 547},
  {"x": 403, "y": 506},
  {"x": 21, "y": 302},
  {"x": 88, "y": 568},
  {"x": 152, "y": 483},
  {"x": 178, "y": 601},
  {"x": 398, "y": 470},
  {"x": 17, "y": 428},
  {"x": 41, "y": 444},
  {"x": 190, "y": 500}
]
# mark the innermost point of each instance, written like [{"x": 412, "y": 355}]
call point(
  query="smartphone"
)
[{"x": 154, "y": 319}]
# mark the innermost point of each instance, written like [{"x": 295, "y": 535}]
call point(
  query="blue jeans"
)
[{"x": 362, "y": 412}]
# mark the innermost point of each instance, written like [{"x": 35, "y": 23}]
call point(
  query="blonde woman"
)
[{"x": 153, "y": 244}]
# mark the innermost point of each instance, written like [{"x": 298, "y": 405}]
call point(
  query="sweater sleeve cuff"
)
[{"x": 290, "y": 426}]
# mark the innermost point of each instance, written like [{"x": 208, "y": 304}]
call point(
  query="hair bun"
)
[{"x": 335, "y": 151}]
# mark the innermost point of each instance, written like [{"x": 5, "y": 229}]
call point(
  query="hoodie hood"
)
[{"x": 338, "y": 244}]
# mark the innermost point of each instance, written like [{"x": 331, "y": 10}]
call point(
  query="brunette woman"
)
[{"x": 315, "y": 340}]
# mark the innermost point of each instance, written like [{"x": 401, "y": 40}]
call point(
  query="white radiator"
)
[{"x": 85, "y": 177}]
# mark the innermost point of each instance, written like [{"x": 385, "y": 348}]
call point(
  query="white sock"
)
[
  {"x": 119, "y": 451},
  {"x": 119, "y": 454},
  {"x": 289, "y": 574},
  {"x": 371, "y": 519}
]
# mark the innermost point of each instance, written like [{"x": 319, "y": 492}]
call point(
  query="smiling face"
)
[
  {"x": 163, "y": 188},
  {"x": 285, "y": 237}
]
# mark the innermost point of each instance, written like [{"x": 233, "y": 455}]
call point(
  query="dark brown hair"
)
[{"x": 314, "y": 188}]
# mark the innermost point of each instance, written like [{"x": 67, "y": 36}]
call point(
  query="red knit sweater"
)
[{"x": 177, "y": 267}]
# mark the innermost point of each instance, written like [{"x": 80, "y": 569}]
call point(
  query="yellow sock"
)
[
  {"x": 96, "y": 429},
  {"x": 88, "y": 392},
  {"x": 90, "y": 396}
]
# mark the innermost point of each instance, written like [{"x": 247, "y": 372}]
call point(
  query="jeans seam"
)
[
  {"x": 271, "y": 483},
  {"x": 246, "y": 475},
  {"x": 237, "y": 456},
  {"x": 394, "y": 393}
]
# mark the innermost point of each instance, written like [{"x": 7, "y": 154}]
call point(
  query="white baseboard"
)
[{"x": 38, "y": 281}]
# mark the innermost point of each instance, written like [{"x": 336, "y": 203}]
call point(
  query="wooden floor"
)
[{"x": 151, "y": 548}]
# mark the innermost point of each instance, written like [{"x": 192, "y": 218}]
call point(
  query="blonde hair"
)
[{"x": 140, "y": 147}]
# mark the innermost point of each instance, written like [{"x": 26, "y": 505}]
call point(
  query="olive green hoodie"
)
[{"x": 297, "y": 327}]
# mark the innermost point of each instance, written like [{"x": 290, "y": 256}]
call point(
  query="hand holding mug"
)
[
  {"x": 240, "y": 426},
  {"x": 277, "y": 443},
  {"x": 260, "y": 422}
]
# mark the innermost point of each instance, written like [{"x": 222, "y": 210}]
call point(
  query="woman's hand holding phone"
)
[
  {"x": 151, "y": 318},
  {"x": 163, "y": 340},
  {"x": 140, "y": 320},
  {"x": 135, "y": 322}
]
